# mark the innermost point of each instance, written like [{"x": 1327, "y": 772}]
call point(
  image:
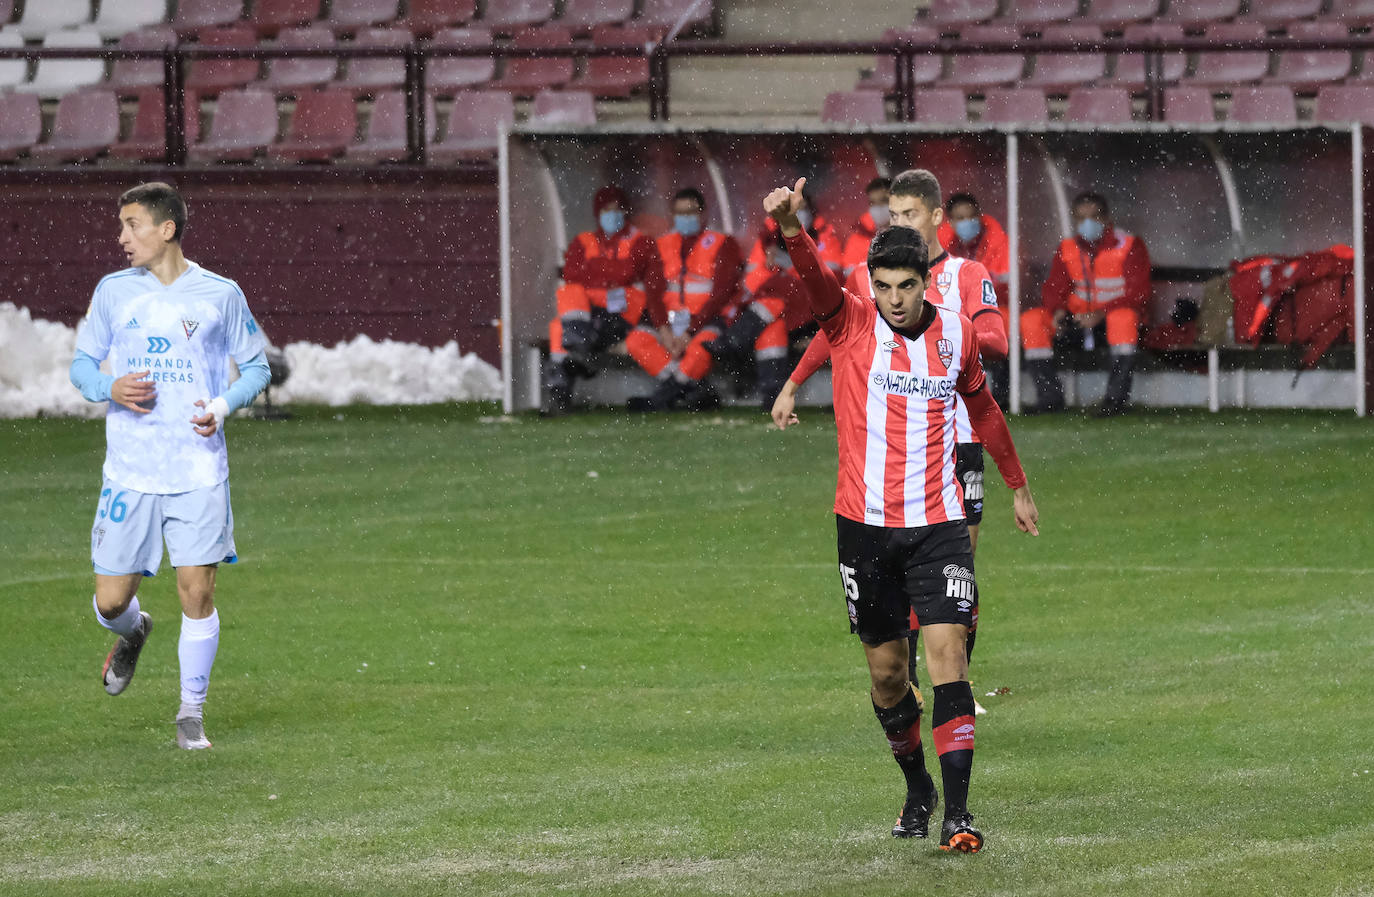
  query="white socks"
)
[
  {"x": 124, "y": 624},
  {"x": 196, "y": 650}
]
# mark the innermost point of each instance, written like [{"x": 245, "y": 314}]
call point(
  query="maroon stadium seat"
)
[
  {"x": 1119, "y": 13},
  {"x": 1271, "y": 103},
  {"x": 1062, "y": 71},
  {"x": 1015, "y": 105},
  {"x": 245, "y": 122},
  {"x": 974, "y": 70},
  {"x": 289, "y": 74},
  {"x": 941, "y": 105},
  {"x": 1196, "y": 13},
  {"x": 514, "y": 15},
  {"x": 351, "y": 16},
  {"x": 386, "y": 139},
  {"x": 367, "y": 76},
  {"x": 1308, "y": 69},
  {"x": 925, "y": 69},
  {"x": 664, "y": 14},
  {"x": 584, "y": 15},
  {"x": 1041, "y": 12},
  {"x": 322, "y": 127},
  {"x": 962, "y": 12},
  {"x": 1188, "y": 105},
  {"x": 21, "y": 124},
  {"x": 271, "y": 16},
  {"x": 1281, "y": 12},
  {"x": 1345, "y": 103},
  {"x": 425, "y": 17},
  {"x": 129, "y": 76},
  {"x": 1099, "y": 105},
  {"x": 474, "y": 127},
  {"x": 1235, "y": 67},
  {"x": 526, "y": 77},
  {"x": 1130, "y": 67},
  {"x": 6, "y": 11},
  {"x": 87, "y": 124},
  {"x": 615, "y": 76},
  {"x": 195, "y": 15},
  {"x": 1352, "y": 12},
  {"x": 209, "y": 76},
  {"x": 148, "y": 140},
  {"x": 446, "y": 75},
  {"x": 857, "y": 107},
  {"x": 574, "y": 108}
]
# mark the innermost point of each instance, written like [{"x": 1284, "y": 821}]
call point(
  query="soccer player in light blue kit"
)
[{"x": 169, "y": 328}]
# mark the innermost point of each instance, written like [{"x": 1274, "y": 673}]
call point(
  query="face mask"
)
[
  {"x": 782, "y": 260},
  {"x": 968, "y": 229},
  {"x": 806, "y": 216},
  {"x": 612, "y": 221},
  {"x": 881, "y": 216},
  {"x": 1091, "y": 229},
  {"x": 687, "y": 225}
]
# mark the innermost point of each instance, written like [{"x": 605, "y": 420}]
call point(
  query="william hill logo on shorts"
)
[
  {"x": 905, "y": 384},
  {"x": 959, "y": 585}
]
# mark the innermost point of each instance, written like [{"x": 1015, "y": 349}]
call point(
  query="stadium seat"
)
[
  {"x": 117, "y": 19},
  {"x": 1345, "y": 103},
  {"x": 1041, "y": 12},
  {"x": 1115, "y": 14},
  {"x": 209, "y": 76},
  {"x": 6, "y": 11},
  {"x": 1099, "y": 106},
  {"x": 515, "y": 15},
  {"x": 941, "y": 105},
  {"x": 245, "y": 123},
  {"x": 351, "y": 16},
  {"x": 1282, "y": 12},
  {"x": 87, "y": 123},
  {"x": 12, "y": 71},
  {"x": 1015, "y": 105},
  {"x": 290, "y": 74},
  {"x": 572, "y": 108},
  {"x": 584, "y": 15},
  {"x": 854, "y": 107},
  {"x": 129, "y": 76},
  {"x": 427, "y": 17},
  {"x": 1269, "y": 104},
  {"x": 147, "y": 141},
  {"x": 1188, "y": 106},
  {"x": 1130, "y": 67},
  {"x": 194, "y": 15},
  {"x": 39, "y": 19},
  {"x": 526, "y": 77},
  {"x": 446, "y": 75},
  {"x": 368, "y": 76},
  {"x": 957, "y": 13},
  {"x": 1197, "y": 13},
  {"x": 55, "y": 77},
  {"x": 1309, "y": 69},
  {"x": 323, "y": 125},
  {"x": 474, "y": 127},
  {"x": 663, "y": 15},
  {"x": 21, "y": 124},
  {"x": 926, "y": 68},
  {"x": 985, "y": 69},
  {"x": 615, "y": 76},
  {"x": 1234, "y": 67},
  {"x": 387, "y": 136},
  {"x": 1352, "y": 12},
  {"x": 1061, "y": 71},
  {"x": 271, "y": 16}
]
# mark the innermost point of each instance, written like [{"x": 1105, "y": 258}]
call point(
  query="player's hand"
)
[
  {"x": 208, "y": 424},
  {"x": 782, "y": 407},
  {"x": 132, "y": 390},
  {"x": 1023, "y": 506},
  {"x": 782, "y": 204}
]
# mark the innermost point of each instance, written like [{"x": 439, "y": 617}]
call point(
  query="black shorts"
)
[
  {"x": 968, "y": 470},
  {"x": 888, "y": 571}
]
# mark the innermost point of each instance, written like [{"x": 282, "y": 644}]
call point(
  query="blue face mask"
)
[
  {"x": 612, "y": 221},
  {"x": 968, "y": 229},
  {"x": 1091, "y": 229},
  {"x": 806, "y": 217},
  {"x": 687, "y": 225},
  {"x": 880, "y": 215}
]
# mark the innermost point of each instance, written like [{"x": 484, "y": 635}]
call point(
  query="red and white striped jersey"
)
[{"x": 895, "y": 401}]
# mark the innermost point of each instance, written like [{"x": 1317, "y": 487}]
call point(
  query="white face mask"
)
[
  {"x": 880, "y": 214},
  {"x": 806, "y": 217}
]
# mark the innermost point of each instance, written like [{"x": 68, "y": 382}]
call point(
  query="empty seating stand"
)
[
  {"x": 1188, "y": 106},
  {"x": 42, "y": 17},
  {"x": 854, "y": 107},
  {"x": 1352, "y": 12},
  {"x": 526, "y": 77},
  {"x": 351, "y": 16},
  {"x": 446, "y": 75},
  {"x": 244, "y": 124},
  {"x": 210, "y": 76},
  {"x": 563, "y": 108},
  {"x": 21, "y": 124},
  {"x": 116, "y": 19},
  {"x": 663, "y": 15},
  {"x": 510, "y": 16},
  {"x": 985, "y": 69},
  {"x": 1197, "y": 13},
  {"x": 369, "y": 75},
  {"x": 1267, "y": 104},
  {"x": 1041, "y": 12},
  {"x": 581, "y": 16},
  {"x": 1117, "y": 14},
  {"x": 1059, "y": 72},
  {"x": 322, "y": 127},
  {"x": 147, "y": 141},
  {"x": 941, "y": 105},
  {"x": 1282, "y": 12},
  {"x": 1015, "y": 105},
  {"x": 426, "y": 17},
  {"x": 1099, "y": 106},
  {"x": 87, "y": 123},
  {"x": 291, "y": 74},
  {"x": 1345, "y": 103},
  {"x": 196, "y": 15},
  {"x": 1309, "y": 69},
  {"x": 615, "y": 76},
  {"x": 55, "y": 77},
  {"x": 958, "y": 13},
  {"x": 1130, "y": 68},
  {"x": 129, "y": 76},
  {"x": 925, "y": 68},
  {"x": 12, "y": 71},
  {"x": 387, "y": 136},
  {"x": 270, "y": 17},
  {"x": 474, "y": 127},
  {"x": 1236, "y": 67}
]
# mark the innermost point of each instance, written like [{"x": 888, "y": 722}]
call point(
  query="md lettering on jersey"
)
[{"x": 904, "y": 384}]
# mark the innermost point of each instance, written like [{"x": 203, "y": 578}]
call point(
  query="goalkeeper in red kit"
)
[{"x": 897, "y": 363}]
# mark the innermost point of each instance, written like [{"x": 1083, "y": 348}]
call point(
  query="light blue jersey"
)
[{"x": 184, "y": 333}]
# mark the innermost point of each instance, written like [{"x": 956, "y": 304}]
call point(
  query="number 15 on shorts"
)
[{"x": 851, "y": 592}]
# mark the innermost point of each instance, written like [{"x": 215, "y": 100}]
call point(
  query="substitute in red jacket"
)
[
  {"x": 1100, "y": 274},
  {"x": 875, "y": 219},
  {"x": 612, "y": 291},
  {"x": 968, "y": 233}
]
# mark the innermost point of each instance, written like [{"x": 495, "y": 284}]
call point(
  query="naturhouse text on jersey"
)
[{"x": 906, "y": 384}]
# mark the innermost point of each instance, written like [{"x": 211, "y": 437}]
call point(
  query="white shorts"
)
[{"x": 131, "y": 526}]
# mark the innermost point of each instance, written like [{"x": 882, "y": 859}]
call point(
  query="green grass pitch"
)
[{"x": 609, "y": 656}]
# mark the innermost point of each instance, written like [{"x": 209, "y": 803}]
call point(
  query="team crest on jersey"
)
[
  {"x": 943, "y": 280},
  {"x": 132, "y": 325},
  {"x": 989, "y": 294},
  {"x": 189, "y": 326},
  {"x": 945, "y": 349},
  {"x": 99, "y": 536}
]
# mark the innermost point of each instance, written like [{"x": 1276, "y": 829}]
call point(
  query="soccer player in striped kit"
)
[{"x": 898, "y": 361}]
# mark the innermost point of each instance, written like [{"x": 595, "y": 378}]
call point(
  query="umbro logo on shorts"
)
[{"x": 157, "y": 345}]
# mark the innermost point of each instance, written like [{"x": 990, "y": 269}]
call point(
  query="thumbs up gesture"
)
[{"x": 782, "y": 204}]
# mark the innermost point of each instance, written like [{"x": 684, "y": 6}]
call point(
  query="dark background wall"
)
[{"x": 322, "y": 255}]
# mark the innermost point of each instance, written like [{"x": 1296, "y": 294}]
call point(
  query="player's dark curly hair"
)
[
  {"x": 899, "y": 247},
  {"x": 162, "y": 201}
]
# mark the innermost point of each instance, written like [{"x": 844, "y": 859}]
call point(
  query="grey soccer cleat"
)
[
  {"x": 123, "y": 657},
  {"x": 191, "y": 733}
]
